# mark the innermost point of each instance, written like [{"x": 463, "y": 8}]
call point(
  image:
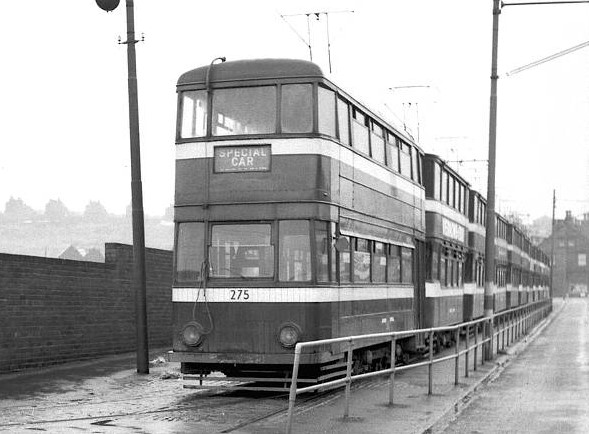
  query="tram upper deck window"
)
[
  {"x": 360, "y": 132},
  {"x": 241, "y": 251},
  {"x": 297, "y": 108},
  {"x": 343, "y": 119},
  {"x": 437, "y": 181},
  {"x": 189, "y": 252},
  {"x": 444, "y": 186},
  {"x": 377, "y": 143},
  {"x": 405, "y": 159},
  {"x": 392, "y": 152},
  {"x": 415, "y": 165},
  {"x": 326, "y": 109},
  {"x": 244, "y": 110},
  {"x": 194, "y": 114}
]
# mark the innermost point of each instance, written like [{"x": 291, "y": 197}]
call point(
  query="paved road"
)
[{"x": 545, "y": 389}]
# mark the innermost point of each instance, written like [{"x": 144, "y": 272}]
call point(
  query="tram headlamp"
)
[
  {"x": 289, "y": 335},
  {"x": 192, "y": 334}
]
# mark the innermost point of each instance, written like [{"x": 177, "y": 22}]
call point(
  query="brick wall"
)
[{"x": 54, "y": 311}]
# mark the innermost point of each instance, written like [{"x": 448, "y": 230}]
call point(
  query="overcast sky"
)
[{"x": 63, "y": 93}]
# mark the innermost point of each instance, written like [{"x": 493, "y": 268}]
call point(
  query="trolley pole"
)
[
  {"x": 552, "y": 246},
  {"x": 490, "y": 223},
  {"x": 139, "y": 276}
]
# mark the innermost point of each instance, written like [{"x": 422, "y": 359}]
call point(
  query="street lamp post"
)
[{"x": 139, "y": 277}]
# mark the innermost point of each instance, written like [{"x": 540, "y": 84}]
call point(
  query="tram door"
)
[{"x": 419, "y": 289}]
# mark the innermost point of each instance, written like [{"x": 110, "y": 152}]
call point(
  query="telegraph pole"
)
[{"x": 139, "y": 277}]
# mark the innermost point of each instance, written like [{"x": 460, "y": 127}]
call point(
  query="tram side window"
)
[
  {"x": 189, "y": 252},
  {"x": 297, "y": 108},
  {"x": 377, "y": 143},
  {"x": 379, "y": 262},
  {"x": 406, "y": 265},
  {"x": 194, "y": 114},
  {"x": 415, "y": 165},
  {"x": 343, "y": 122},
  {"x": 245, "y": 110},
  {"x": 392, "y": 152},
  {"x": 444, "y": 187},
  {"x": 451, "y": 183},
  {"x": 344, "y": 263},
  {"x": 443, "y": 281},
  {"x": 325, "y": 251},
  {"x": 360, "y": 132},
  {"x": 456, "y": 194},
  {"x": 437, "y": 181},
  {"x": 294, "y": 251},
  {"x": 362, "y": 263},
  {"x": 241, "y": 250},
  {"x": 405, "y": 159},
  {"x": 326, "y": 108},
  {"x": 394, "y": 264},
  {"x": 434, "y": 261}
]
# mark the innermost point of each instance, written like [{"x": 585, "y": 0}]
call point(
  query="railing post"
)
[
  {"x": 431, "y": 364},
  {"x": 392, "y": 376},
  {"x": 466, "y": 355},
  {"x": 489, "y": 345},
  {"x": 498, "y": 333},
  {"x": 476, "y": 343},
  {"x": 456, "y": 365},
  {"x": 348, "y": 380},
  {"x": 485, "y": 345},
  {"x": 503, "y": 329},
  {"x": 293, "y": 388}
]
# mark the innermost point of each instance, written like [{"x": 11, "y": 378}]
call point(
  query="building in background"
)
[{"x": 571, "y": 251}]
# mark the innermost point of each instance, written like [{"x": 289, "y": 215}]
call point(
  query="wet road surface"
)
[{"x": 545, "y": 389}]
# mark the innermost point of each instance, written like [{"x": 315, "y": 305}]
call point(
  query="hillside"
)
[{"x": 49, "y": 239}]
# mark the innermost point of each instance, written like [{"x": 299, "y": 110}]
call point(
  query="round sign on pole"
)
[{"x": 107, "y": 5}]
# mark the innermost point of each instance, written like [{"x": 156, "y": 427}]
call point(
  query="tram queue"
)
[{"x": 302, "y": 215}]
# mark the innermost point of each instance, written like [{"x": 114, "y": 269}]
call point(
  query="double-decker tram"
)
[
  {"x": 474, "y": 277},
  {"x": 299, "y": 216},
  {"x": 514, "y": 268},
  {"x": 501, "y": 263},
  {"x": 447, "y": 243}
]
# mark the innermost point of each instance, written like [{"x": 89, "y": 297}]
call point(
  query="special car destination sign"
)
[{"x": 255, "y": 158}]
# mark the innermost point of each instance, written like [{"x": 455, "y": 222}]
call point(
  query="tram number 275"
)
[{"x": 240, "y": 294}]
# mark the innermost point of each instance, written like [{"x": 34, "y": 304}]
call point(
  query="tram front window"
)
[
  {"x": 244, "y": 110},
  {"x": 241, "y": 251},
  {"x": 194, "y": 114},
  {"x": 189, "y": 252}
]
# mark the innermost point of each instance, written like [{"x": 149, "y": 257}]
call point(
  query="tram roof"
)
[{"x": 252, "y": 69}]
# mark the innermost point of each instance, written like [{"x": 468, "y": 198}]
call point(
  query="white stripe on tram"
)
[
  {"x": 303, "y": 146},
  {"x": 290, "y": 295},
  {"x": 472, "y": 288},
  {"x": 434, "y": 289}
]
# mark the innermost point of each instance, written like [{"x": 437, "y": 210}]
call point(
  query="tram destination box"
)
[{"x": 256, "y": 158}]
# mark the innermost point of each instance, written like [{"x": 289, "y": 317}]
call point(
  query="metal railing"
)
[{"x": 509, "y": 325}]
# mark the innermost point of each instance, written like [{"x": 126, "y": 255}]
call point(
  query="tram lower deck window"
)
[
  {"x": 241, "y": 251},
  {"x": 294, "y": 251}
]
